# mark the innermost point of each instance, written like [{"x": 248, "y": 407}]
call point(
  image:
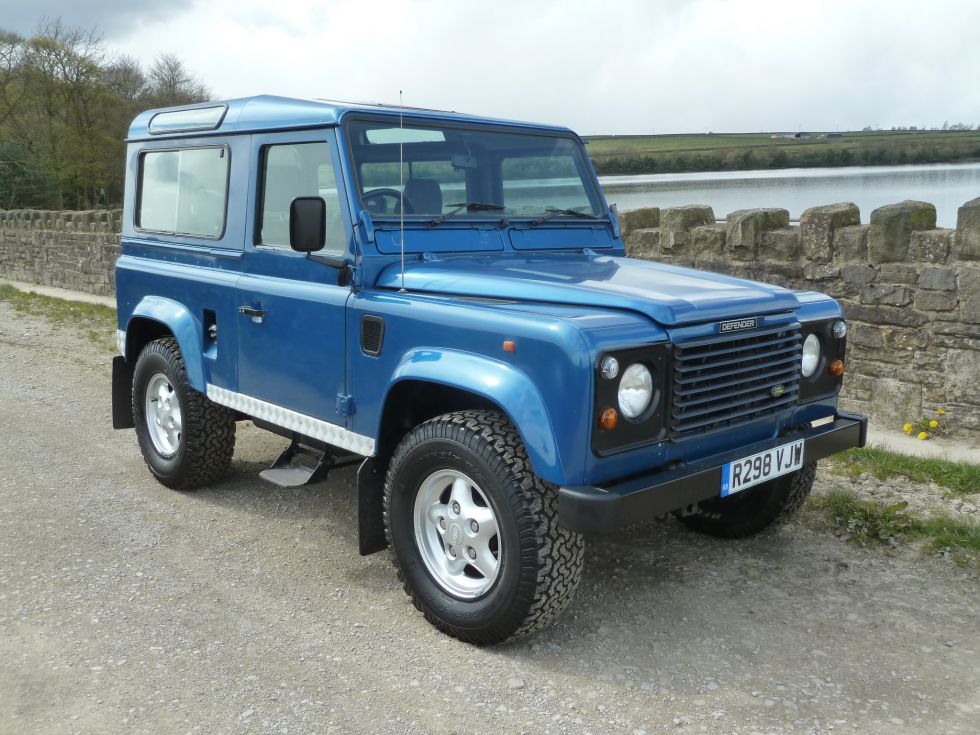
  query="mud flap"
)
[
  {"x": 122, "y": 393},
  {"x": 370, "y": 511}
]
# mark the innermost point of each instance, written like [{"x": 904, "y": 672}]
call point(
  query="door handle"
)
[{"x": 252, "y": 313}]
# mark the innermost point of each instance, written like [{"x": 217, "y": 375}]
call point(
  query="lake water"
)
[{"x": 945, "y": 185}]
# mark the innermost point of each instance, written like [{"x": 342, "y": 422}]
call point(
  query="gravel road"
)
[{"x": 127, "y": 607}]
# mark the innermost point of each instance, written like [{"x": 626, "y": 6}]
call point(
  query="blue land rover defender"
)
[{"x": 446, "y": 300}]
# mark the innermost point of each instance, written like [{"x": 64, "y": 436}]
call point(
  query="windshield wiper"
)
[
  {"x": 469, "y": 207},
  {"x": 552, "y": 213}
]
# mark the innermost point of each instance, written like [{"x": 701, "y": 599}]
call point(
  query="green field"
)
[{"x": 636, "y": 154}]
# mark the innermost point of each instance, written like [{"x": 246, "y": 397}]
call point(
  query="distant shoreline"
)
[
  {"x": 663, "y": 154},
  {"x": 771, "y": 173}
]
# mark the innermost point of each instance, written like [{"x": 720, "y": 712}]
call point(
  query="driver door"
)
[{"x": 291, "y": 336}]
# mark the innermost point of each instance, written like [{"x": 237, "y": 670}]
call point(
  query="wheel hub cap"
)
[
  {"x": 456, "y": 534},
  {"x": 162, "y": 412}
]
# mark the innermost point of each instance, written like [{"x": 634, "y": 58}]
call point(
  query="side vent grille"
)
[{"x": 372, "y": 334}]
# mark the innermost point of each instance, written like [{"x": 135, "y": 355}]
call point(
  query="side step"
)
[{"x": 302, "y": 465}]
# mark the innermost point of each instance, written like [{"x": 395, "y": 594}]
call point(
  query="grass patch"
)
[
  {"x": 96, "y": 321},
  {"x": 868, "y": 523},
  {"x": 960, "y": 478}
]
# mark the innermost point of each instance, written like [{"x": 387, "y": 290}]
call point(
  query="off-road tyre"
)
[
  {"x": 540, "y": 562},
  {"x": 207, "y": 439},
  {"x": 756, "y": 509}
]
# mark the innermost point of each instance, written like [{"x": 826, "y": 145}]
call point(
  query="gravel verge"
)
[{"x": 127, "y": 607}]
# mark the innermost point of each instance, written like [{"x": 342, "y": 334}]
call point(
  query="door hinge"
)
[{"x": 345, "y": 404}]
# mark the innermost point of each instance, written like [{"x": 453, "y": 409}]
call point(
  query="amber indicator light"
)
[
  {"x": 510, "y": 345},
  {"x": 836, "y": 368},
  {"x": 609, "y": 418}
]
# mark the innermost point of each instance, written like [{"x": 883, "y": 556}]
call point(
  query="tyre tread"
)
[
  {"x": 560, "y": 552},
  {"x": 209, "y": 432}
]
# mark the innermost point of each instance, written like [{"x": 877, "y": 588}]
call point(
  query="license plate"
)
[{"x": 737, "y": 476}]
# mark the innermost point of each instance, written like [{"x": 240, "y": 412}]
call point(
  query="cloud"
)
[
  {"x": 633, "y": 66},
  {"x": 113, "y": 18}
]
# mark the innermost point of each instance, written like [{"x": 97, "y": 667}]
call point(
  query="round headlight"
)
[
  {"x": 811, "y": 355},
  {"x": 635, "y": 390},
  {"x": 610, "y": 368},
  {"x": 840, "y": 329}
]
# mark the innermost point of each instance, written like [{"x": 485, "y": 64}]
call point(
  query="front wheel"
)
[
  {"x": 753, "y": 510},
  {"x": 474, "y": 533}
]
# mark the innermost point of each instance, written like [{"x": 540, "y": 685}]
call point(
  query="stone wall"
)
[
  {"x": 910, "y": 291},
  {"x": 75, "y": 250}
]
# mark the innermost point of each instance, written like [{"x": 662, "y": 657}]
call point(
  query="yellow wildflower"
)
[
  {"x": 908, "y": 428},
  {"x": 941, "y": 411},
  {"x": 933, "y": 424},
  {"x": 923, "y": 435}
]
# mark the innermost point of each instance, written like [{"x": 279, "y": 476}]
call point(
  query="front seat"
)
[{"x": 423, "y": 196}]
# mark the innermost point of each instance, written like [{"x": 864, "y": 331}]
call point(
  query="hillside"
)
[{"x": 641, "y": 154}]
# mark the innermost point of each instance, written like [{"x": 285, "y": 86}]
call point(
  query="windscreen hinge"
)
[{"x": 367, "y": 226}]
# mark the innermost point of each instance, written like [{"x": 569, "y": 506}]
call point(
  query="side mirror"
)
[{"x": 307, "y": 224}]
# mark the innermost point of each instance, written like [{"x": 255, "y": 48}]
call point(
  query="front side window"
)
[
  {"x": 292, "y": 170},
  {"x": 431, "y": 170},
  {"x": 183, "y": 192}
]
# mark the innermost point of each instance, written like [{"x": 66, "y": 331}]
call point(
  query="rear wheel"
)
[
  {"x": 474, "y": 533},
  {"x": 755, "y": 509},
  {"x": 186, "y": 440}
]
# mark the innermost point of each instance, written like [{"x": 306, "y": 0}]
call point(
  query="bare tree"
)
[
  {"x": 125, "y": 79},
  {"x": 170, "y": 83}
]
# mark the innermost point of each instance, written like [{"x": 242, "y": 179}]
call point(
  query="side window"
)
[
  {"x": 297, "y": 170},
  {"x": 183, "y": 192}
]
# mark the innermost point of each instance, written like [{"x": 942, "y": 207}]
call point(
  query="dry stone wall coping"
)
[{"x": 910, "y": 290}]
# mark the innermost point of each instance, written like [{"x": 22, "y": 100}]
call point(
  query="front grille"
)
[{"x": 727, "y": 380}]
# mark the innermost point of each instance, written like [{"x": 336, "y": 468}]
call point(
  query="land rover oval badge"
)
[{"x": 778, "y": 390}]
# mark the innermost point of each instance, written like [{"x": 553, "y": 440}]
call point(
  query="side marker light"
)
[{"x": 608, "y": 419}]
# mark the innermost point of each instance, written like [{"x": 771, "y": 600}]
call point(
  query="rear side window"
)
[
  {"x": 292, "y": 170},
  {"x": 183, "y": 192}
]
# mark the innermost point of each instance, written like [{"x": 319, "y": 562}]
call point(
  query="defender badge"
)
[{"x": 736, "y": 324}]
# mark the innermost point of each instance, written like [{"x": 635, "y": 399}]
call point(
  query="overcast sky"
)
[{"x": 612, "y": 66}]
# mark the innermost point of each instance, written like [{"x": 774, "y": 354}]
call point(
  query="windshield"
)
[{"x": 468, "y": 172}]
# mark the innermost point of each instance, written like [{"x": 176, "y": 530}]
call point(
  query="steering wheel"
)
[{"x": 375, "y": 202}]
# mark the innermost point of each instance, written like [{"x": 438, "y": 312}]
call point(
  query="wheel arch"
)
[
  {"x": 421, "y": 390},
  {"x": 429, "y": 383},
  {"x": 156, "y": 317}
]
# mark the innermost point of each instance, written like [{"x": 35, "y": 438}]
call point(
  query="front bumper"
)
[{"x": 592, "y": 509}]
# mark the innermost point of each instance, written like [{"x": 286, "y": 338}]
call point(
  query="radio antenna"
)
[{"x": 401, "y": 181}]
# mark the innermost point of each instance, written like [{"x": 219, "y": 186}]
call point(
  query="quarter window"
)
[
  {"x": 298, "y": 170},
  {"x": 183, "y": 192}
]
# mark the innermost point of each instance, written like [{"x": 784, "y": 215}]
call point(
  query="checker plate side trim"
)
[{"x": 332, "y": 434}]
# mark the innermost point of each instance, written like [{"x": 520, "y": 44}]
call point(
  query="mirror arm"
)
[
  {"x": 345, "y": 272},
  {"x": 334, "y": 261}
]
